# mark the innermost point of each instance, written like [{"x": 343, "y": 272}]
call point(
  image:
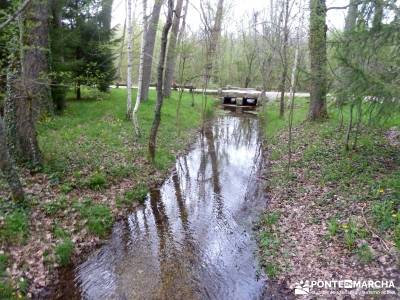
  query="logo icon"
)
[{"x": 302, "y": 288}]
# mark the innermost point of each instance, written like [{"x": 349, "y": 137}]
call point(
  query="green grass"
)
[
  {"x": 139, "y": 194},
  {"x": 94, "y": 135},
  {"x": 15, "y": 228},
  {"x": 98, "y": 217},
  {"x": 63, "y": 252},
  {"x": 272, "y": 123}
]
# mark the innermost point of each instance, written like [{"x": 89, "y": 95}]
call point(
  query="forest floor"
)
[
  {"x": 94, "y": 172},
  {"x": 335, "y": 215}
]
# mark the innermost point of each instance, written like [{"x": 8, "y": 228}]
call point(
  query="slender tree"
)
[
  {"x": 129, "y": 70},
  {"x": 160, "y": 75},
  {"x": 284, "y": 57},
  {"x": 142, "y": 55},
  {"x": 172, "y": 46},
  {"x": 318, "y": 60},
  {"x": 149, "y": 49}
]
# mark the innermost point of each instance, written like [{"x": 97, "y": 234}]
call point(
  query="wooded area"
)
[{"x": 71, "y": 135}]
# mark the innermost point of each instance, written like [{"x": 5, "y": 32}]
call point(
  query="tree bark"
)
[
  {"x": 172, "y": 53},
  {"x": 140, "y": 79},
  {"x": 19, "y": 118},
  {"x": 318, "y": 59},
  {"x": 215, "y": 35},
  {"x": 282, "y": 86},
  {"x": 160, "y": 75},
  {"x": 149, "y": 49},
  {"x": 35, "y": 56},
  {"x": 8, "y": 169},
  {"x": 129, "y": 69}
]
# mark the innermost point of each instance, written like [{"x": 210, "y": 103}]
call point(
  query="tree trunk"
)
[
  {"x": 140, "y": 79},
  {"x": 8, "y": 169},
  {"x": 19, "y": 119},
  {"x": 215, "y": 35},
  {"x": 35, "y": 57},
  {"x": 121, "y": 49},
  {"x": 318, "y": 59},
  {"x": 282, "y": 86},
  {"x": 172, "y": 46},
  {"x": 129, "y": 70},
  {"x": 160, "y": 73},
  {"x": 149, "y": 49}
]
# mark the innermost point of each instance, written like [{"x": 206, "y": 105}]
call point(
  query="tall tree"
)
[
  {"x": 149, "y": 49},
  {"x": 284, "y": 57},
  {"x": 35, "y": 56},
  {"x": 172, "y": 46},
  {"x": 129, "y": 70},
  {"x": 8, "y": 169},
  {"x": 160, "y": 75},
  {"x": 141, "y": 61},
  {"x": 28, "y": 93},
  {"x": 318, "y": 60}
]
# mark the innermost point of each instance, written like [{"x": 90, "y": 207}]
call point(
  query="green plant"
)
[
  {"x": 63, "y": 252},
  {"x": 271, "y": 270},
  {"x": 56, "y": 206},
  {"x": 59, "y": 232},
  {"x": 3, "y": 264},
  {"x": 350, "y": 234},
  {"x": 364, "y": 254},
  {"x": 15, "y": 228},
  {"x": 333, "y": 227},
  {"x": 382, "y": 213},
  {"x": 99, "y": 218},
  {"x": 270, "y": 218},
  {"x": 96, "y": 181},
  {"x": 139, "y": 194},
  {"x": 66, "y": 188}
]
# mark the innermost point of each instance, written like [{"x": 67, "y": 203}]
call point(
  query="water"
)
[{"x": 193, "y": 238}]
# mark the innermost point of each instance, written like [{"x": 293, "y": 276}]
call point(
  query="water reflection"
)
[{"x": 192, "y": 240}]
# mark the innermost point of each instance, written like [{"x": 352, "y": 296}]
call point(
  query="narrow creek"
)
[{"x": 193, "y": 238}]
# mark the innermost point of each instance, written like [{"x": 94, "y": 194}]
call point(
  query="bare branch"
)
[{"x": 15, "y": 14}]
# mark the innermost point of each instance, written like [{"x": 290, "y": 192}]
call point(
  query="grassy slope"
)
[
  {"x": 335, "y": 208},
  {"x": 94, "y": 171}
]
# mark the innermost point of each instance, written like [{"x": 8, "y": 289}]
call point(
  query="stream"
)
[{"x": 193, "y": 238}]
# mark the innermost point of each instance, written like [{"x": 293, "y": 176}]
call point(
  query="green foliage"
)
[
  {"x": 99, "y": 217},
  {"x": 94, "y": 135},
  {"x": 350, "y": 234},
  {"x": 63, "y": 252},
  {"x": 139, "y": 194},
  {"x": 364, "y": 254},
  {"x": 382, "y": 213},
  {"x": 270, "y": 219},
  {"x": 333, "y": 227},
  {"x": 96, "y": 181},
  {"x": 3, "y": 264},
  {"x": 15, "y": 228},
  {"x": 52, "y": 208}
]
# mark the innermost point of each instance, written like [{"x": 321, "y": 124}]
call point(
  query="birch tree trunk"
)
[
  {"x": 172, "y": 53},
  {"x": 8, "y": 169},
  {"x": 160, "y": 75},
  {"x": 149, "y": 49},
  {"x": 129, "y": 70},
  {"x": 140, "y": 80},
  {"x": 318, "y": 59}
]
